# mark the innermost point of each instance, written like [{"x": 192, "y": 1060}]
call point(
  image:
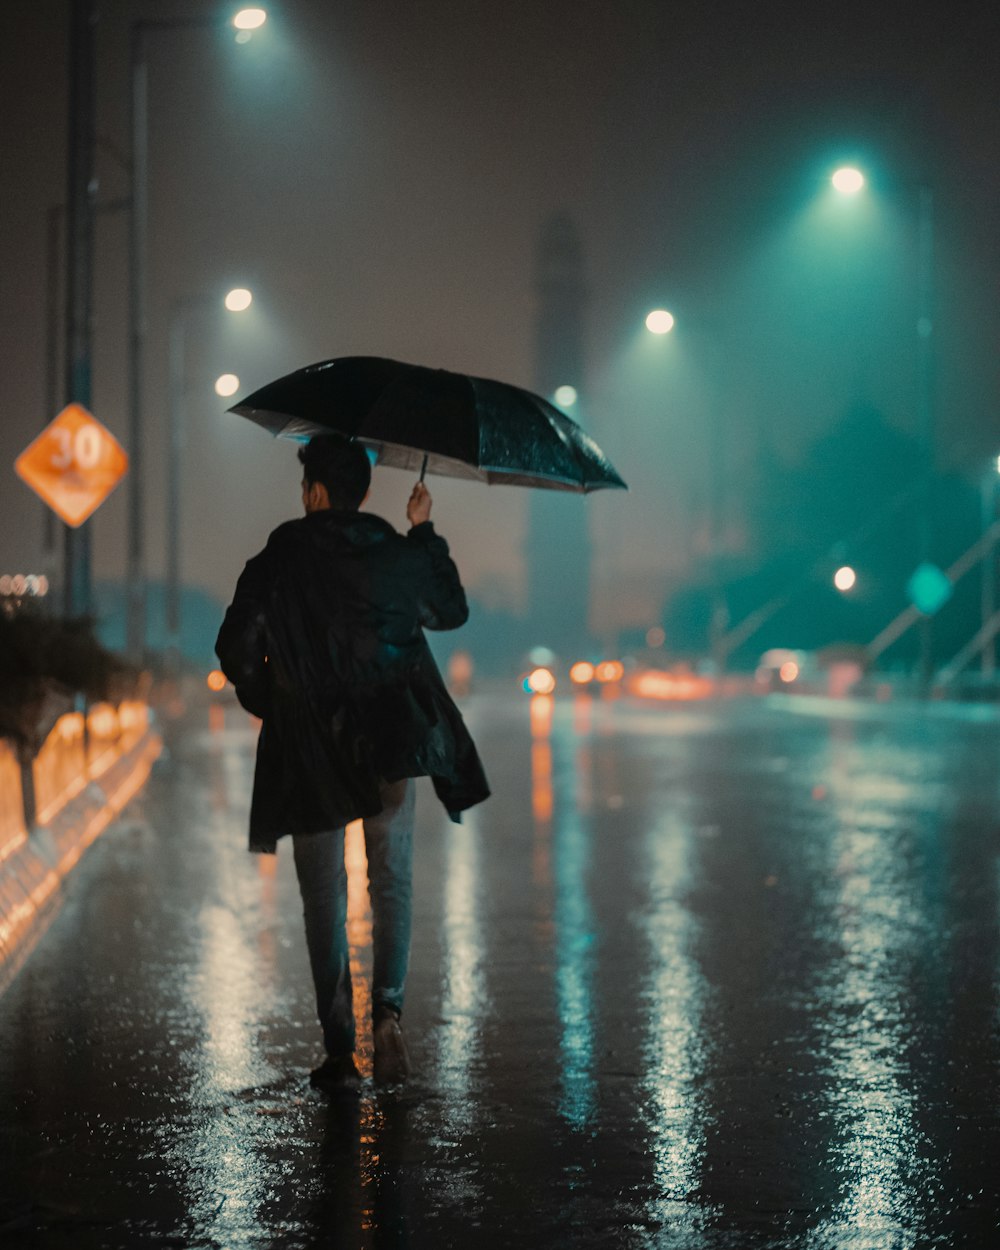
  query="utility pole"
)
[
  {"x": 80, "y": 195},
  {"x": 136, "y": 582},
  {"x": 135, "y": 575},
  {"x": 54, "y": 338},
  {"x": 559, "y": 550}
]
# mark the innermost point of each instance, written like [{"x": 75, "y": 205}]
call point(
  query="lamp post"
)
[
  {"x": 925, "y": 402},
  {"x": 79, "y": 270},
  {"x": 661, "y": 322},
  {"x": 245, "y": 21},
  {"x": 849, "y": 181},
  {"x": 237, "y": 300}
]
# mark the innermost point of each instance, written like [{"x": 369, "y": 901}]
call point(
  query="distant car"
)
[{"x": 782, "y": 668}]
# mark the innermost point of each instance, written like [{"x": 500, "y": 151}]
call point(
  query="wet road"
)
[{"x": 698, "y": 976}]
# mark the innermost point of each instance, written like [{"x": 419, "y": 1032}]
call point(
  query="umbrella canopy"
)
[{"x": 466, "y": 427}]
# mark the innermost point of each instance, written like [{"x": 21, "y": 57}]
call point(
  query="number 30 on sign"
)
[{"x": 74, "y": 464}]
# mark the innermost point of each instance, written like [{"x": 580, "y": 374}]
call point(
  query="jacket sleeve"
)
[
  {"x": 441, "y": 602},
  {"x": 242, "y": 642}
]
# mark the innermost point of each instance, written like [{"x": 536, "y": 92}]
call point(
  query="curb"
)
[{"x": 34, "y": 865}]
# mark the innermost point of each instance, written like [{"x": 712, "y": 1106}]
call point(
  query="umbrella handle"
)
[{"x": 423, "y": 469}]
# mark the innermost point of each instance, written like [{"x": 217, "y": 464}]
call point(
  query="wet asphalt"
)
[{"x": 698, "y": 976}]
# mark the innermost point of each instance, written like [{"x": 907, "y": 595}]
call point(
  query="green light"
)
[
  {"x": 845, "y": 577},
  {"x": 566, "y": 396},
  {"x": 928, "y": 588},
  {"x": 848, "y": 181}
]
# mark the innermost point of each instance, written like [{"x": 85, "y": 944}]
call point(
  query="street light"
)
[
  {"x": 175, "y": 451},
  {"x": 845, "y": 578},
  {"x": 245, "y": 20},
  {"x": 227, "y": 384},
  {"x": 250, "y": 19},
  {"x": 659, "y": 321},
  {"x": 848, "y": 180},
  {"x": 238, "y": 299}
]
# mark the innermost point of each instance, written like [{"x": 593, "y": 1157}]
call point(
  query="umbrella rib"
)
[{"x": 571, "y": 446}]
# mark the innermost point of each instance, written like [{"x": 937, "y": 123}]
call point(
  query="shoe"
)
[
  {"x": 336, "y": 1075},
  {"x": 392, "y": 1059}
]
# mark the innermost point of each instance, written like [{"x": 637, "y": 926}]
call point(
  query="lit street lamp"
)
[
  {"x": 237, "y": 300},
  {"x": 848, "y": 180},
  {"x": 226, "y": 384},
  {"x": 659, "y": 321},
  {"x": 245, "y": 20}
]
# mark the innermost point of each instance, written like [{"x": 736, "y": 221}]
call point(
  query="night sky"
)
[{"x": 379, "y": 174}]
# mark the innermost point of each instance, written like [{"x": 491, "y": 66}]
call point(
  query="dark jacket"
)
[{"x": 324, "y": 641}]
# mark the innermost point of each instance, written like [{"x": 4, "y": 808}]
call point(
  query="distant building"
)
[{"x": 558, "y": 552}]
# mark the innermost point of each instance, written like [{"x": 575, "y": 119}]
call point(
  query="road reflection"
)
[
  {"x": 464, "y": 1002},
  {"x": 783, "y": 1033},
  {"x": 360, "y": 1197},
  {"x": 676, "y": 1047},
  {"x": 232, "y": 986},
  {"x": 875, "y": 909},
  {"x": 219, "y": 1161},
  {"x": 574, "y": 924},
  {"x": 542, "y": 801},
  {"x": 359, "y": 938}
]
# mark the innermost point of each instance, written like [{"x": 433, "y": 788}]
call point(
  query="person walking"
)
[{"x": 324, "y": 642}]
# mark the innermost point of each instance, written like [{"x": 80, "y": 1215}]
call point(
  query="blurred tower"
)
[{"x": 558, "y": 543}]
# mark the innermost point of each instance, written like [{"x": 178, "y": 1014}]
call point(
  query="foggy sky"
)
[{"x": 379, "y": 174}]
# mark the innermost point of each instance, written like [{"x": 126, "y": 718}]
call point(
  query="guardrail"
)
[
  {"x": 88, "y": 768},
  {"x": 13, "y": 826}
]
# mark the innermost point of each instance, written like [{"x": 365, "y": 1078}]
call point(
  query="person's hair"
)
[{"x": 341, "y": 465}]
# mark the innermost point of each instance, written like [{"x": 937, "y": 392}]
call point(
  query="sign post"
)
[{"x": 81, "y": 186}]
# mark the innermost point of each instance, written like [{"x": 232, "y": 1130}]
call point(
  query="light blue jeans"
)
[{"x": 319, "y": 865}]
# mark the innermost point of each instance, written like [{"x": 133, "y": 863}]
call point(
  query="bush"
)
[{"x": 44, "y": 663}]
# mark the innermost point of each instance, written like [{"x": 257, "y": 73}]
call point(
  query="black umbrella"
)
[{"x": 430, "y": 419}]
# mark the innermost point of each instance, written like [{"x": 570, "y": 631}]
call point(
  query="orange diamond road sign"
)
[{"x": 74, "y": 464}]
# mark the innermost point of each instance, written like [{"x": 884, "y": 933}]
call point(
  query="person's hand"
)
[{"x": 418, "y": 508}]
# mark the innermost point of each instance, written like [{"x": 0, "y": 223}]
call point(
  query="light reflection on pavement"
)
[
  {"x": 576, "y": 937},
  {"x": 464, "y": 1002},
  {"x": 677, "y": 1049},
  {"x": 705, "y": 977},
  {"x": 873, "y": 916}
]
